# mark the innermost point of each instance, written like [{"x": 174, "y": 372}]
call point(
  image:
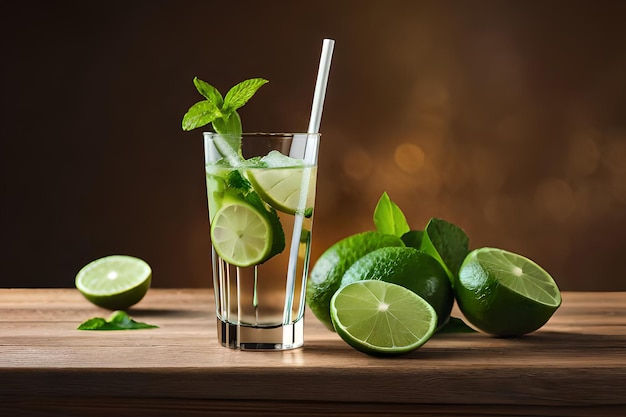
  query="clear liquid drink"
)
[{"x": 261, "y": 215}]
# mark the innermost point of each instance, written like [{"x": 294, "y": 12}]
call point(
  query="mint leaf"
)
[
  {"x": 95, "y": 323},
  {"x": 119, "y": 320},
  {"x": 241, "y": 93},
  {"x": 236, "y": 179},
  {"x": 209, "y": 92},
  {"x": 200, "y": 114},
  {"x": 388, "y": 217},
  {"x": 221, "y": 112},
  {"x": 228, "y": 125}
]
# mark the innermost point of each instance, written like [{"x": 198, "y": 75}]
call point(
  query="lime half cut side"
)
[
  {"x": 519, "y": 274},
  {"x": 504, "y": 293},
  {"x": 285, "y": 189},
  {"x": 241, "y": 233},
  {"x": 381, "y": 318},
  {"x": 116, "y": 282}
]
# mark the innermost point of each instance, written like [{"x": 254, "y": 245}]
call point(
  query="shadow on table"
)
[{"x": 164, "y": 312}]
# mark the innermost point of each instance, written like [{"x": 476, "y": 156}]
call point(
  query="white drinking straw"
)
[
  {"x": 320, "y": 86},
  {"x": 314, "y": 126}
]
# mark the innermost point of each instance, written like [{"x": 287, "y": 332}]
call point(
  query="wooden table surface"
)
[{"x": 575, "y": 365}]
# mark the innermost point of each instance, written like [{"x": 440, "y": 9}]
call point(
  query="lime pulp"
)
[
  {"x": 241, "y": 234},
  {"x": 285, "y": 189},
  {"x": 382, "y": 318}
]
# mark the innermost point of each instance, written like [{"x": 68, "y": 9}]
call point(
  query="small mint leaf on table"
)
[
  {"x": 96, "y": 323},
  {"x": 118, "y": 320},
  {"x": 388, "y": 217}
]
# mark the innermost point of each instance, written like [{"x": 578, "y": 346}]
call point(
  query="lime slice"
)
[
  {"x": 505, "y": 294},
  {"x": 241, "y": 233},
  {"x": 381, "y": 318},
  {"x": 115, "y": 282},
  {"x": 325, "y": 278},
  {"x": 285, "y": 189}
]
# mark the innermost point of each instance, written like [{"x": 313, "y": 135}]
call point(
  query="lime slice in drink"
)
[
  {"x": 115, "y": 282},
  {"x": 381, "y": 318},
  {"x": 241, "y": 233},
  {"x": 505, "y": 294},
  {"x": 281, "y": 188}
]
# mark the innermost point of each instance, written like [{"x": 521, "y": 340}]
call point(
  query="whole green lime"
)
[
  {"x": 410, "y": 268},
  {"x": 326, "y": 274},
  {"x": 505, "y": 294}
]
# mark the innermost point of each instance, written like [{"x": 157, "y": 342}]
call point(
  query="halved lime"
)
[
  {"x": 241, "y": 233},
  {"x": 115, "y": 282},
  {"x": 381, "y": 318},
  {"x": 505, "y": 294},
  {"x": 325, "y": 277},
  {"x": 415, "y": 270},
  {"x": 285, "y": 189}
]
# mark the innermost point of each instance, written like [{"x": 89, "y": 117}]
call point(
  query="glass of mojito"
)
[{"x": 261, "y": 192}]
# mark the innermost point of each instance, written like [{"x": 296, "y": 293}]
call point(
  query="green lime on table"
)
[
  {"x": 505, "y": 294},
  {"x": 381, "y": 318},
  {"x": 116, "y": 282},
  {"x": 325, "y": 277},
  {"x": 415, "y": 270},
  {"x": 241, "y": 233}
]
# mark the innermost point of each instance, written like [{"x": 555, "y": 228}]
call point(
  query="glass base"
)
[{"x": 280, "y": 337}]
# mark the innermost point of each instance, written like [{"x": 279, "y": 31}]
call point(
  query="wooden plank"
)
[{"x": 577, "y": 360}]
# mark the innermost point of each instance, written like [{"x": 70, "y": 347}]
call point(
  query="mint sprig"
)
[
  {"x": 118, "y": 320},
  {"x": 220, "y": 111}
]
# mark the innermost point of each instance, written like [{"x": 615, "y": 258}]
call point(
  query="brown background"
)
[{"x": 505, "y": 117}]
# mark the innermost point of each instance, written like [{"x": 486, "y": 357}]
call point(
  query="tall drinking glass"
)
[{"x": 261, "y": 193}]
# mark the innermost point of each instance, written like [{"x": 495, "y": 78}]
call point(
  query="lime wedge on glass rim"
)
[
  {"x": 505, "y": 294},
  {"x": 116, "y": 282},
  {"x": 241, "y": 233},
  {"x": 381, "y": 318}
]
